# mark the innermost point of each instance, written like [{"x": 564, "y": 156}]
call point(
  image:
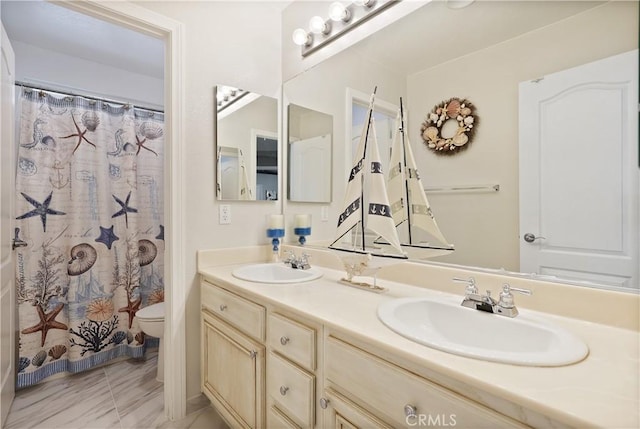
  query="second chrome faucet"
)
[{"x": 505, "y": 306}]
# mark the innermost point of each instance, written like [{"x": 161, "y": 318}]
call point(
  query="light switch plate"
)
[{"x": 324, "y": 213}]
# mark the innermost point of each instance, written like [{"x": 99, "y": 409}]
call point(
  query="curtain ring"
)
[{"x": 42, "y": 94}]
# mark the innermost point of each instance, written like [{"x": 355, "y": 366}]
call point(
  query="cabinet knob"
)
[
  {"x": 284, "y": 340},
  {"x": 283, "y": 390},
  {"x": 410, "y": 411},
  {"x": 223, "y": 307},
  {"x": 324, "y": 403},
  {"x": 253, "y": 354}
]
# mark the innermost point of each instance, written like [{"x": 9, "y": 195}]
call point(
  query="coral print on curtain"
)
[{"x": 89, "y": 204}]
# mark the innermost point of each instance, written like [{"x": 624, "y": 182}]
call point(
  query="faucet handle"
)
[
  {"x": 506, "y": 297},
  {"x": 291, "y": 257},
  {"x": 471, "y": 285}
]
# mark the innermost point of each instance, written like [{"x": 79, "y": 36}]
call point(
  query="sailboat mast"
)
[
  {"x": 406, "y": 180},
  {"x": 366, "y": 141}
]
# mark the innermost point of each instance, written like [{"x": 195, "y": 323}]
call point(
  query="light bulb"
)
[
  {"x": 338, "y": 12},
  {"x": 301, "y": 37},
  {"x": 226, "y": 91},
  {"x": 365, "y": 3},
  {"x": 317, "y": 25}
]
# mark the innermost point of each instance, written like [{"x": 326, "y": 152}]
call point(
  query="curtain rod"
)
[{"x": 65, "y": 91}]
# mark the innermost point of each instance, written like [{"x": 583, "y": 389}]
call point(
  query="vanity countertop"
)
[{"x": 601, "y": 391}]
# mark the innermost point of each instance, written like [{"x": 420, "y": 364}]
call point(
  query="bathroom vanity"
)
[{"x": 315, "y": 354}]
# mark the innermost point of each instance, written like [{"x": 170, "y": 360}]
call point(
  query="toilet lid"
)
[{"x": 154, "y": 311}]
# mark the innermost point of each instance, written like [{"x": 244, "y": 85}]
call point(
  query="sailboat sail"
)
[
  {"x": 406, "y": 192},
  {"x": 377, "y": 217}
]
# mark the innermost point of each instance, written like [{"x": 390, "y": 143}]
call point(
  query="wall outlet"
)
[{"x": 224, "y": 215}]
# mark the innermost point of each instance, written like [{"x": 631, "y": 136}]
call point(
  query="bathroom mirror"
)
[
  {"x": 309, "y": 153},
  {"x": 246, "y": 139},
  {"x": 482, "y": 53}
]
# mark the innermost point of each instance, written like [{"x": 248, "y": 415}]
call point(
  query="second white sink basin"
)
[
  {"x": 447, "y": 326},
  {"x": 277, "y": 273}
]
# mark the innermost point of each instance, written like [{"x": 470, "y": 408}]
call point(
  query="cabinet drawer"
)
[
  {"x": 387, "y": 390},
  {"x": 243, "y": 314},
  {"x": 292, "y": 389},
  {"x": 293, "y": 340},
  {"x": 277, "y": 420}
]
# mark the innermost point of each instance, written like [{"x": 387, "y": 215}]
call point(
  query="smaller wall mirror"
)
[
  {"x": 309, "y": 153},
  {"x": 246, "y": 138}
]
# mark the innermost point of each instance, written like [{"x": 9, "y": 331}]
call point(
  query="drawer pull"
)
[
  {"x": 324, "y": 403},
  {"x": 284, "y": 340},
  {"x": 283, "y": 390},
  {"x": 223, "y": 307},
  {"x": 253, "y": 354},
  {"x": 410, "y": 411}
]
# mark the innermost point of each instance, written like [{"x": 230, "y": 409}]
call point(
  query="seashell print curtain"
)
[{"x": 89, "y": 205}]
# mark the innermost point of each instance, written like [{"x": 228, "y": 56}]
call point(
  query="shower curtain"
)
[{"x": 89, "y": 192}]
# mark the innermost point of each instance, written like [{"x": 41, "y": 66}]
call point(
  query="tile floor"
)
[{"x": 123, "y": 395}]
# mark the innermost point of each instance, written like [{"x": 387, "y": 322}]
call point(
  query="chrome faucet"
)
[
  {"x": 505, "y": 306},
  {"x": 298, "y": 263}
]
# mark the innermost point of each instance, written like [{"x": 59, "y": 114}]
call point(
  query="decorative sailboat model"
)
[
  {"x": 410, "y": 208},
  {"x": 367, "y": 210}
]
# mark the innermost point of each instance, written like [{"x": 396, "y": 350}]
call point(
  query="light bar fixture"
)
[
  {"x": 227, "y": 95},
  {"x": 343, "y": 18}
]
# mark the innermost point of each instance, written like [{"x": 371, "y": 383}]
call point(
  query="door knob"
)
[{"x": 530, "y": 238}]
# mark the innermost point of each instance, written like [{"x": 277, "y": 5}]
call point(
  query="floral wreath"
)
[{"x": 460, "y": 110}]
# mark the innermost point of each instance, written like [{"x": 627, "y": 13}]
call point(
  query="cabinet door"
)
[
  {"x": 233, "y": 373},
  {"x": 341, "y": 413}
]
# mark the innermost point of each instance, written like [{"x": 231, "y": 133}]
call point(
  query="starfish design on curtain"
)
[
  {"x": 47, "y": 321},
  {"x": 41, "y": 209},
  {"x": 125, "y": 208},
  {"x": 140, "y": 144},
  {"x": 79, "y": 134},
  {"x": 107, "y": 237},
  {"x": 131, "y": 309}
]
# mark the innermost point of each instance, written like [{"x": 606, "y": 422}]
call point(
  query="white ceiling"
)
[
  {"x": 59, "y": 29},
  {"x": 441, "y": 33}
]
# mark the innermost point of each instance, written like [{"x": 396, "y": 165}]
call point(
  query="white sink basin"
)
[
  {"x": 447, "y": 326},
  {"x": 275, "y": 273}
]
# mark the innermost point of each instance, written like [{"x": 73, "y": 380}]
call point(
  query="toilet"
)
[{"x": 151, "y": 321}]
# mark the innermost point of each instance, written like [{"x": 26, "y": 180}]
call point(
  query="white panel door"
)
[
  {"x": 310, "y": 160},
  {"x": 7, "y": 175},
  {"x": 579, "y": 176}
]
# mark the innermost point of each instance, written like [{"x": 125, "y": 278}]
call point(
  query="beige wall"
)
[
  {"x": 233, "y": 43},
  {"x": 484, "y": 226}
]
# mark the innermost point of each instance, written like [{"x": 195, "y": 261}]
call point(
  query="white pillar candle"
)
[
  {"x": 303, "y": 221},
  {"x": 276, "y": 221}
]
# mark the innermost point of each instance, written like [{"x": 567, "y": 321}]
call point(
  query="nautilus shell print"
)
[
  {"x": 90, "y": 120},
  {"x": 147, "y": 252},
  {"x": 151, "y": 130},
  {"x": 83, "y": 256}
]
